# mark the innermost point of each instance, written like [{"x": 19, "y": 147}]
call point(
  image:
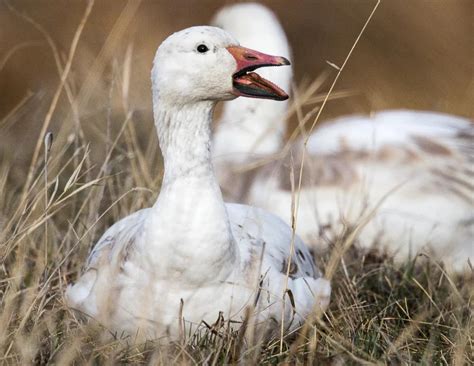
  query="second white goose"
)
[{"x": 251, "y": 127}]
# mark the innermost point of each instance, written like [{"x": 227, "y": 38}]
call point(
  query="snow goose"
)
[
  {"x": 351, "y": 163},
  {"x": 251, "y": 127},
  {"x": 191, "y": 257},
  {"x": 417, "y": 167}
]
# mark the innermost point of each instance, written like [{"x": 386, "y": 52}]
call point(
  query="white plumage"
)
[
  {"x": 416, "y": 165},
  {"x": 191, "y": 255},
  {"x": 422, "y": 161},
  {"x": 253, "y": 126}
]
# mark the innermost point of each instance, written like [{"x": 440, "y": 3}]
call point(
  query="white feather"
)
[{"x": 416, "y": 165}]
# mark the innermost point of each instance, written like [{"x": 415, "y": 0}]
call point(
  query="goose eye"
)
[{"x": 202, "y": 48}]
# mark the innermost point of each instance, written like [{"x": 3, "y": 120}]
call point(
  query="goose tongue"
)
[
  {"x": 249, "y": 84},
  {"x": 252, "y": 84}
]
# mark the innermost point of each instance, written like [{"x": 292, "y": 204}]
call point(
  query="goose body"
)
[
  {"x": 411, "y": 171},
  {"x": 123, "y": 289},
  {"x": 161, "y": 271}
]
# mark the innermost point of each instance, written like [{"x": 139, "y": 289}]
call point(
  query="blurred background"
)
[{"x": 415, "y": 54}]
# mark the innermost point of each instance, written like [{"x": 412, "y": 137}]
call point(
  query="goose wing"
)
[{"x": 107, "y": 257}]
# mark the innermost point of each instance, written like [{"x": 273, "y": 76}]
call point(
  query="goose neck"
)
[
  {"x": 185, "y": 138},
  {"x": 189, "y": 224}
]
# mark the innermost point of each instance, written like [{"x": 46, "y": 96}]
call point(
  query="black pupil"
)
[{"x": 202, "y": 48}]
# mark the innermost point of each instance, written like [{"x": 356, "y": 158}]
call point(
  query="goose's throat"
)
[{"x": 185, "y": 136}]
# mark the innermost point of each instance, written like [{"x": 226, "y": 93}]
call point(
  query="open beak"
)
[{"x": 249, "y": 84}]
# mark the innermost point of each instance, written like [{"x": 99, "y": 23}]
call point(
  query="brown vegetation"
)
[{"x": 84, "y": 77}]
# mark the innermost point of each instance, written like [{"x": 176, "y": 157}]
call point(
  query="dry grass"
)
[{"x": 380, "y": 312}]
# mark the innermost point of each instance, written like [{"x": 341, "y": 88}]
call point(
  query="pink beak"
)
[{"x": 250, "y": 84}]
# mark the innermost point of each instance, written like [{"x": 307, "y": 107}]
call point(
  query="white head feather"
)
[{"x": 197, "y": 76}]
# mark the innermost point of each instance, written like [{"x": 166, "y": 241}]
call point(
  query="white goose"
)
[
  {"x": 163, "y": 270},
  {"x": 252, "y": 127},
  {"x": 352, "y": 163}
]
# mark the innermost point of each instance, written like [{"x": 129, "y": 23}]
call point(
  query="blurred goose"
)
[
  {"x": 191, "y": 258},
  {"x": 416, "y": 166},
  {"x": 251, "y": 128},
  {"x": 351, "y": 164}
]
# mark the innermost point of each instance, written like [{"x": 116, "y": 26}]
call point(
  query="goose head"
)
[
  {"x": 207, "y": 64},
  {"x": 257, "y": 27}
]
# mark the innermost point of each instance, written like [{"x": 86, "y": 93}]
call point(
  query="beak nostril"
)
[{"x": 250, "y": 57}]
